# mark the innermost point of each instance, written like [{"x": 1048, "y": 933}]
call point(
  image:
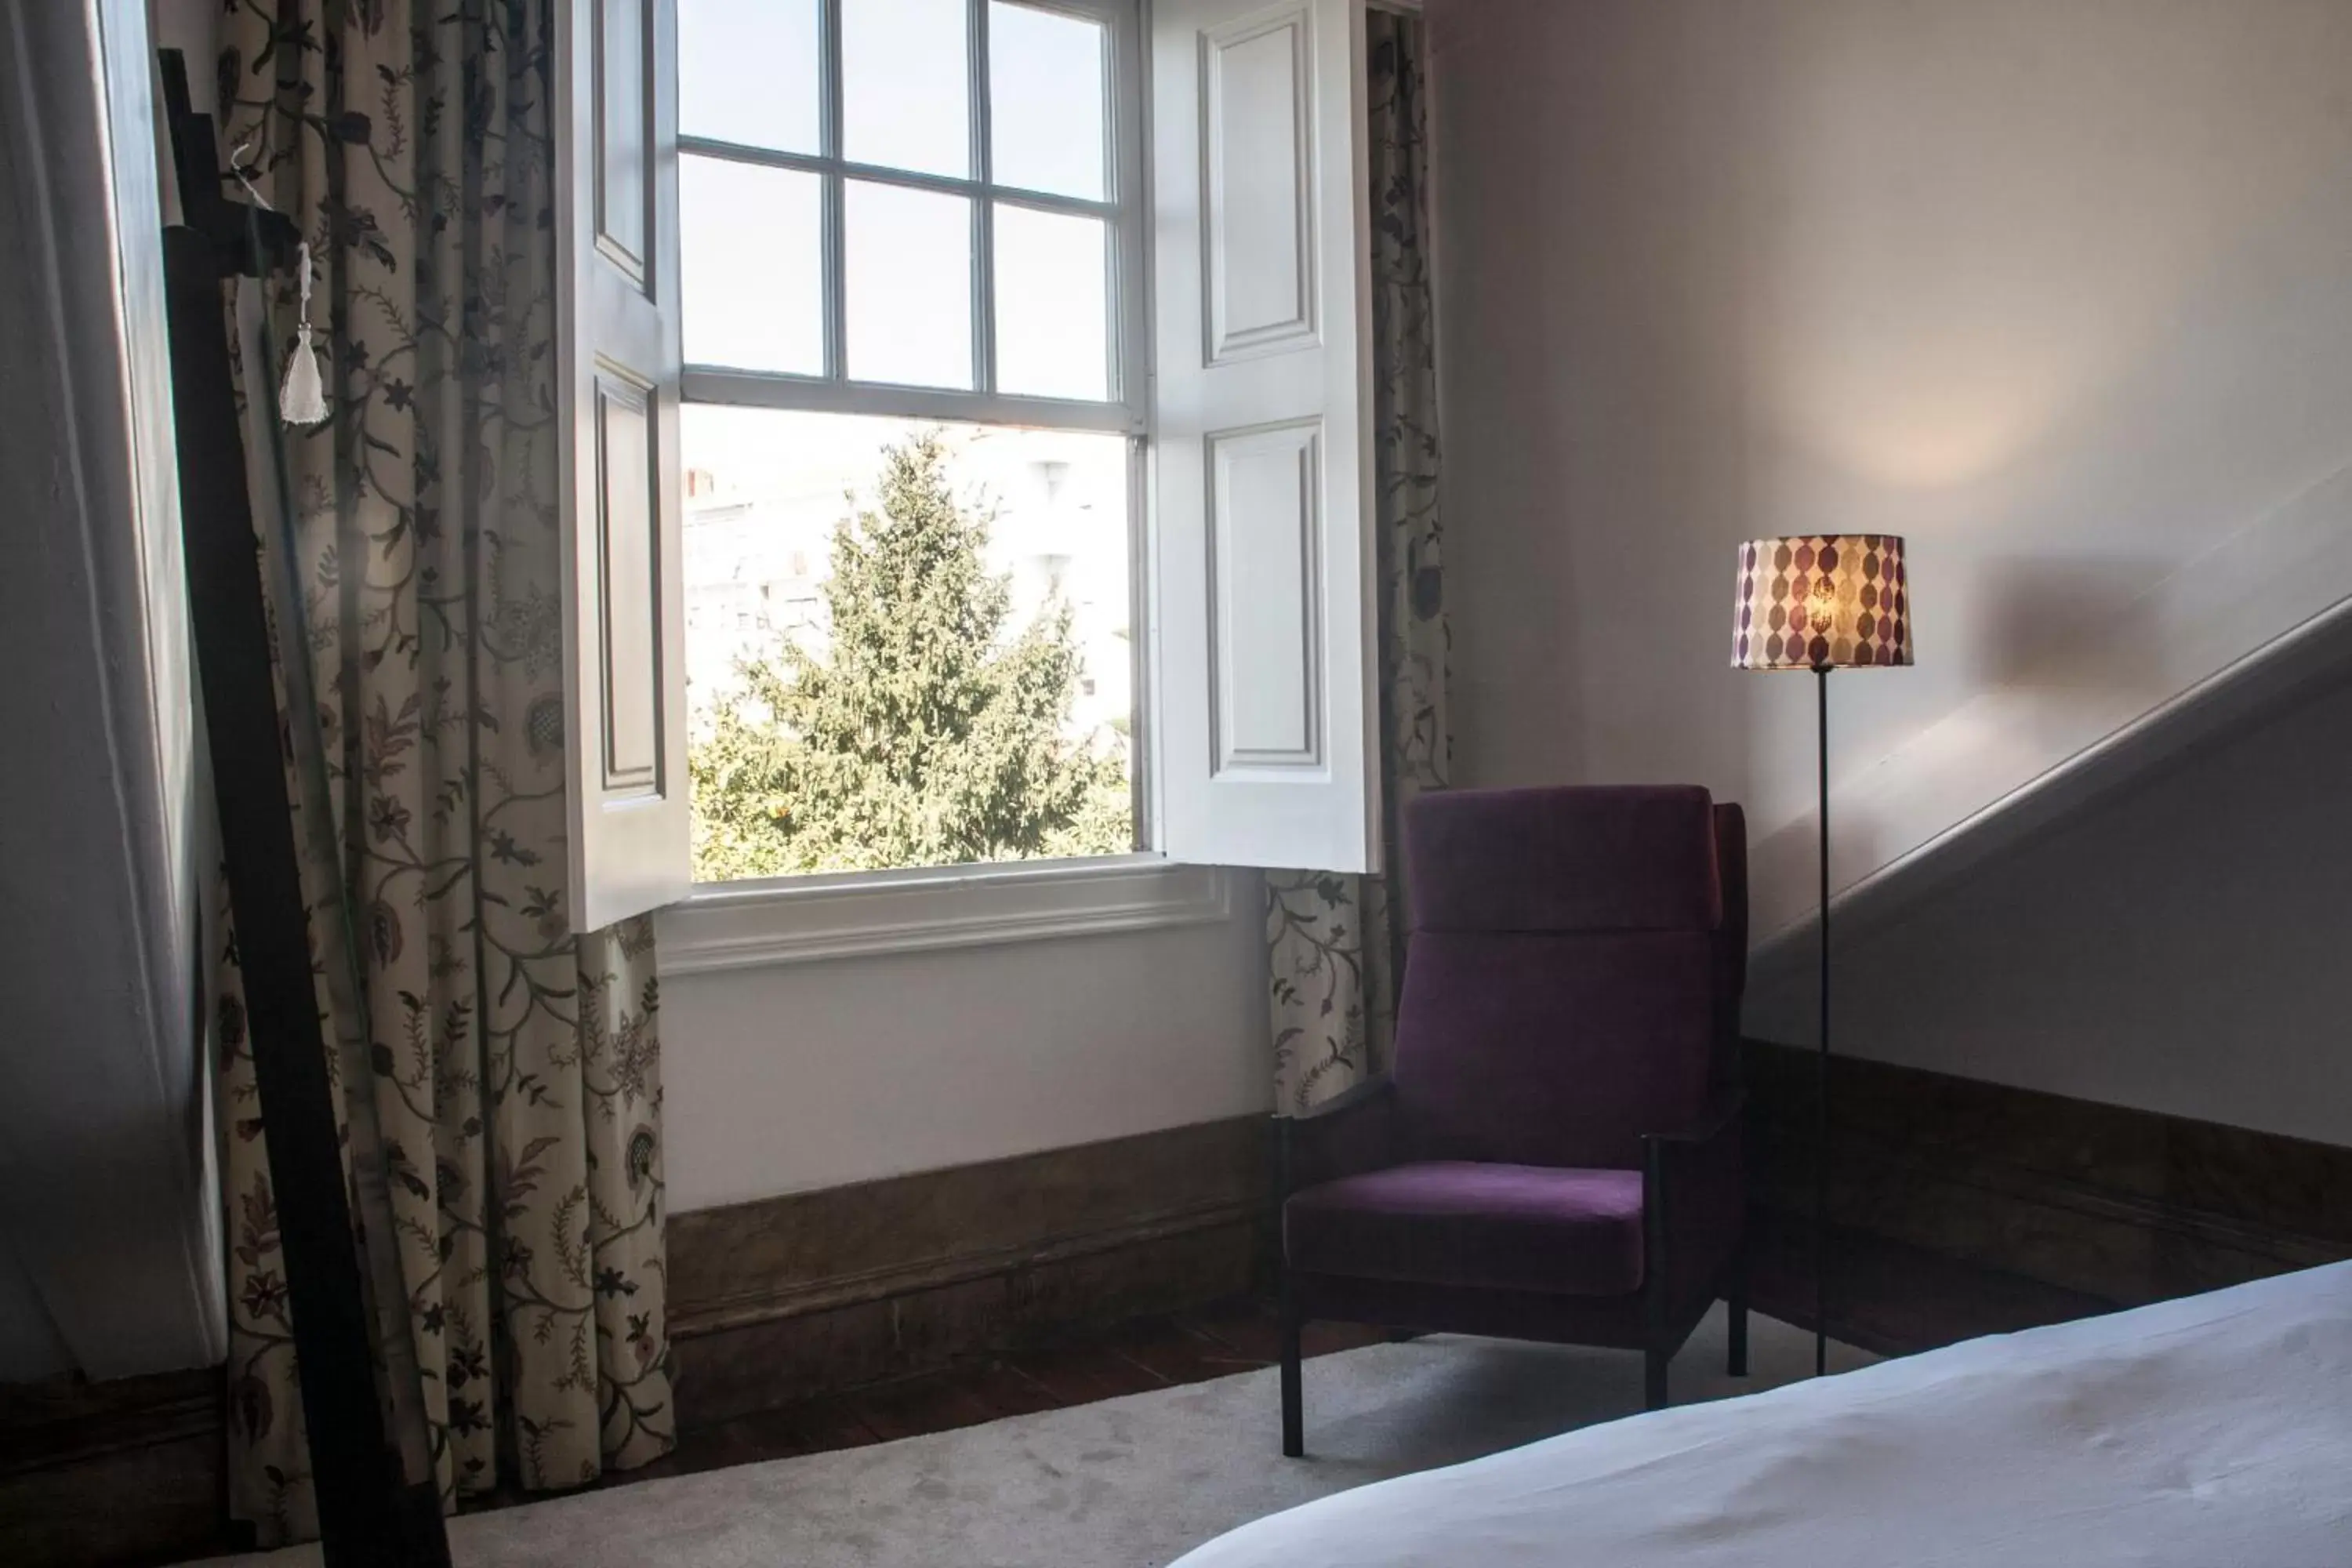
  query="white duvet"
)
[{"x": 2214, "y": 1432}]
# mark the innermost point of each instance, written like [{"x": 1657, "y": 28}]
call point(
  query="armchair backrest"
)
[{"x": 1573, "y": 971}]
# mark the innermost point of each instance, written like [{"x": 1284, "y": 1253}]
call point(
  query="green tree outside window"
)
[{"x": 922, "y": 735}]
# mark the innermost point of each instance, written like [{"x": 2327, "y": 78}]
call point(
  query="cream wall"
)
[
  {"x": 808, "y": 1074},
  {"x": 2062, "y": 290}
]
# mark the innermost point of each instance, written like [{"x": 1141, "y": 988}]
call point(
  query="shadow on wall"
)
[
  {"x": 2172, "y": 937},
  {"x": 2088, "y": 351},
  {"x": 2071, "y": 628},
  {"x": 2066, "y": 665},
  {"x": 2067, "y": 641},
  {"x": 2193, "y": 541}
]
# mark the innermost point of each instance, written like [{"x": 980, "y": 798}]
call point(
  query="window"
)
[
  {"x": 920, "y": 208},
  {"x": 910, "y": 261},
  {"x": 850, "y": 284}
]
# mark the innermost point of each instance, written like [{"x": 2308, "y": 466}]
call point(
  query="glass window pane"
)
[
  {"x": 905, "y": 85},
  {"x": 769, "y": 495},
  {"x": 751, "y": 266},
  {"x": 1053, "y": 304},
  {"x": 908, "y": 258},
  {"x": 1046, "y": 100},
  {"x": 747, "y": 72}
]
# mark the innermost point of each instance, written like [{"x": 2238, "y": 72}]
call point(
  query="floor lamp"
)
[{"x": 1828, "y": 601}]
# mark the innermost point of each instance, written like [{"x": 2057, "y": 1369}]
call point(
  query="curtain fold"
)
[
  {"x": 503, "y": 1075},
  {"x": 1336, "y": 942}
]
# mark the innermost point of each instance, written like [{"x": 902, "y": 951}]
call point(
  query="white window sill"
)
[{"x": 801, "y": 920}]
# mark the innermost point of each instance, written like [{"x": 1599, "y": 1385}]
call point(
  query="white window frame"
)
[
  {"x": 1126, "y": 210},
  {"x": 759, "y": 922},
  {"x": 1253, "y": 538}
]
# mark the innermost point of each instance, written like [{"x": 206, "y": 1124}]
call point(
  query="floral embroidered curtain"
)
[
  {"x": 1337, "y": 942},
  {"x": 509, "y": 1075}
]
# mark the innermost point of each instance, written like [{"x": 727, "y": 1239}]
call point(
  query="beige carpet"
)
[{"x": 1127, "y": 1483}]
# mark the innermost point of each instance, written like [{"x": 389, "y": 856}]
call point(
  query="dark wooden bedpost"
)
[{"x": 373, "y": 1512}]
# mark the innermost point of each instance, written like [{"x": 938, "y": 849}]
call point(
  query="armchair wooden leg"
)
[
  {"x": 1294, "y": 1415},
  {"x": 1654, "y": 1379}
]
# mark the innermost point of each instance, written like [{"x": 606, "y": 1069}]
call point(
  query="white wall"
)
[
  {"x": 809, "y": 1075},
  {"x": 2060, "y": 289}
]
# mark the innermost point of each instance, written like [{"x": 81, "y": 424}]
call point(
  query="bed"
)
[{"x": 2210, "y": 1432}]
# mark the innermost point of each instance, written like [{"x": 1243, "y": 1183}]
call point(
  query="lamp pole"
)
[{"x": 1821, "y": 1059}]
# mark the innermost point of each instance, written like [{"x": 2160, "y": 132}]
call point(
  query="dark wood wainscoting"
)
[
  {"x": 122, "y": 1472},
  {"x": 2121, "y": 1205},
  {"x": 770, "y": 1302},
  {"x": 783, "y": 1297}
]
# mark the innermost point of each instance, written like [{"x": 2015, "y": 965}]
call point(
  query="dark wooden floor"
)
[{"x": 1884, "y": 1297}]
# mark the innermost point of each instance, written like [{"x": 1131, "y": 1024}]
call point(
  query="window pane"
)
[
  {"x": 1053, "y": 304},
  {"x": 905, "y": 85},
  {"x": 787, "y": 780},
  {"x": 751, "y": 267},
  {"x": 1046, "y": 100},
  {"x": 747, "y": 72},
  {"x": 908, "y": 256}
]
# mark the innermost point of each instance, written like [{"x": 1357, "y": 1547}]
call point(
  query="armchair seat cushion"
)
[{"x": 1457, "y": 1222}]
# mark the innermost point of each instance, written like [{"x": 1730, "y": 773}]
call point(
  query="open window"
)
[{"x": 850, "y": 283}]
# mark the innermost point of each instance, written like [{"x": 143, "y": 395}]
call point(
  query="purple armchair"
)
[{"x": 1556, "y": 1153}]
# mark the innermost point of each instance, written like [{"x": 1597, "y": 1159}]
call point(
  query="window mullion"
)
[
  {"x": 836, "y": 245},
  {"x": 984, "y": 215}
]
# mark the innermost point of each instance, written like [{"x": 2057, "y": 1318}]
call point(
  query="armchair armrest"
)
[
  {"x": 1344, "y": 1136},
  {"x": 1693, "y": 1205}
]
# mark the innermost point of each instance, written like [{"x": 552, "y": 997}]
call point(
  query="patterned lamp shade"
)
[{"x": 1825, "y": 602}]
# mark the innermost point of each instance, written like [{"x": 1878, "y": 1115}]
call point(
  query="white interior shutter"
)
[
  {"x": 1267, "y": 712},
  {"x": 625, "y": 625}
]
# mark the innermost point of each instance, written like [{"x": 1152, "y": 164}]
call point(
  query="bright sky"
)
[{"x": 752, "y": 238}]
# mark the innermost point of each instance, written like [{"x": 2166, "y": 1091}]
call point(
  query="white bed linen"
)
[{"x": 2213, "y": 1432}]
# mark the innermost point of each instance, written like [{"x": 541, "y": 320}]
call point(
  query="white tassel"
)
[{"x": 303, "y": 400}]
